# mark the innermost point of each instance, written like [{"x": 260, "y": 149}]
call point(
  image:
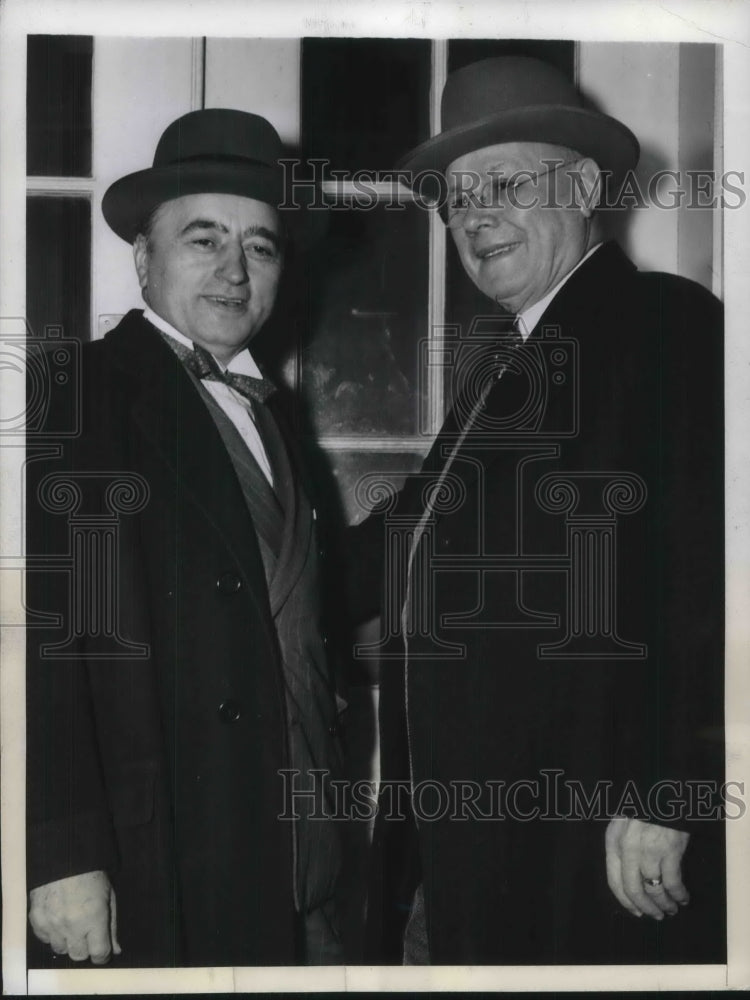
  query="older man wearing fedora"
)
[
  {"x": 554, "y": 697},
  {"x": 158, "y": 829}
]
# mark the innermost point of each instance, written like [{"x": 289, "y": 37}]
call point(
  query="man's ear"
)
[
  {"x": 588, "y": 193},
  {"x": 140, "y": 256}
]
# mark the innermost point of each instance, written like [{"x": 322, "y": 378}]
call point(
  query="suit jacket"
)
[
  {"x": 157, "y": 723},
  {"x": 568, "y": 657}
]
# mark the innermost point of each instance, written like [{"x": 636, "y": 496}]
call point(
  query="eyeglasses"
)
[{"x": 501, "y": 190}]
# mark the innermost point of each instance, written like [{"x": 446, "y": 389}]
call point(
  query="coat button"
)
[
  {"x": 229, "y": 711},
  {"x": 228, "y": 583},
  {"x": 335, "y": 729}
]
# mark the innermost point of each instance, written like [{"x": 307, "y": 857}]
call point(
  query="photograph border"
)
[{"x": 726, "y": 24}]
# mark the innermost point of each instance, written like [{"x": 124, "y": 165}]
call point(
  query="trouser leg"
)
[
  {"x": 416, "y": 947},
  {"x": 321, "y": 943}
]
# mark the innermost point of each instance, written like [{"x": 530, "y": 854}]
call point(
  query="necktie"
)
[
  {"x": 205, "y": 367},
  {"x": 509, "y": 339}
]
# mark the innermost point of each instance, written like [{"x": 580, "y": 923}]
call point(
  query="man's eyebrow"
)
[
  {"x": 492, "y": 169},
  {"x": 197, "y": 224}
]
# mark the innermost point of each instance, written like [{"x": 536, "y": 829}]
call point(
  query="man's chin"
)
[
  {"x": 225, "y": 346},
  {"x": 501, "y": 295}
]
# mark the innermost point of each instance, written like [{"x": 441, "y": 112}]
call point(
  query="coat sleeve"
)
[
  {"x": 69, "y": 829},
  {"x": 692, "y": 635},
  {"x": 671, "y": 720}
]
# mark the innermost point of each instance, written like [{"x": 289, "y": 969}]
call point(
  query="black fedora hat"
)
[
  {"x": 214, "y": 151},
  {"x": 520, "y": 99}
]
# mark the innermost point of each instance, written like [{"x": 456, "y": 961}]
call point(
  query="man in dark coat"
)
[
  {"x": 185, "y": 692},
  {"x": 552, "y": 698}
]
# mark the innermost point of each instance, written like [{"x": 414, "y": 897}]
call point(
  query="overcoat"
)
[
  {"x": 565, "y": 642},
  {"x": 157, "y": 727}
]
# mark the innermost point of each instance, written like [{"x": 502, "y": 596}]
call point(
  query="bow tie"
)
[{"x": 205, "y": 367}]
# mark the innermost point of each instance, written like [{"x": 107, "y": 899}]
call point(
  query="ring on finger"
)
[{"x": 653, "y": 883}]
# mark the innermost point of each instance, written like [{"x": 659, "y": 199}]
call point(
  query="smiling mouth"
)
[
  {"x": 226, "y": 301},
  {"x": 496, "y": 251}
]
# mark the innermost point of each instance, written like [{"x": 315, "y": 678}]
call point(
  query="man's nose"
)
[
  {"x": 232, "y": 266},
  {"x": 479, "y": 216}
]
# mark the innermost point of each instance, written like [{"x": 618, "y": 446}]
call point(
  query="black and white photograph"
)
[{"x": 375, "y": 502}]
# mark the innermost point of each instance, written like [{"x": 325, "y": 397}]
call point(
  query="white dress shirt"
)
[{"x": 232, "y": 402}]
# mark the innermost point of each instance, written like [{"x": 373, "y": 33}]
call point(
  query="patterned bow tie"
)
[{"x": 205, "y": 367}]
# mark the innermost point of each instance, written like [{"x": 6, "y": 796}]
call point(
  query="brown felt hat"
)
[
  {"x": 520, "y": 99},
  {"x": 214, "y": 151}
]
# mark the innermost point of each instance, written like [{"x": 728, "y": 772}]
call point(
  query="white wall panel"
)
[
  {"x": 664, "y": 92},
  {"x": 639, "y": 85},
  {"x": 697, "y": 119}
]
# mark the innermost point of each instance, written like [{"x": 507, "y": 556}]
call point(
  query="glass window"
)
[
  {"x": 58, "y": 96},
  {"x": 360, "y": 366},
  {"x": 365, "y": 101},
  {"x": 58, "y": 264}
]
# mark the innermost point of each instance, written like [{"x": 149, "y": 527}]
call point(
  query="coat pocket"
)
[{"x": 132, "y": 795}]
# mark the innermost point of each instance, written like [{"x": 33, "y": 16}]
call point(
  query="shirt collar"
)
[
  {"x": 529, "y": 318},
  {"x": 241, "y": 364}
]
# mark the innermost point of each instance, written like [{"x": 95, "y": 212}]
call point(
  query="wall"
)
[{"x": 664, "y": 92}]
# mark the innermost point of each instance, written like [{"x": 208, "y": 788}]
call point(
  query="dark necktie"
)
[
  {"x": 506, "y": 339},
  {"x": 509, "y": 339},
  {"x": 205, "y": 367}
]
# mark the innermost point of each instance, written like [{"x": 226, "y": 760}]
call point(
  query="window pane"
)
[
  {"x": 58, "y": 264},
  {"x": 361, "y": 368},
  {"x": 58, "y": 106},
  {"x": 365, "y": 101}
]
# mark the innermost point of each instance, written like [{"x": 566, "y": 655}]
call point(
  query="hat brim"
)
[
  {"x": 604, "y": 139},
  {"x": 131, "y": 200}
]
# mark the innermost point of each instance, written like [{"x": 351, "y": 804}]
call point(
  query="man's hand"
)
[
  {"x": 638, "y": 851},
  {"x": 77, "y": 916}
]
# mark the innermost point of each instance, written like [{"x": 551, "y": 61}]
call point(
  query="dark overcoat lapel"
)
[
  {"x": 298, "y": 523},
  {"x": 170, "y": 413}
]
